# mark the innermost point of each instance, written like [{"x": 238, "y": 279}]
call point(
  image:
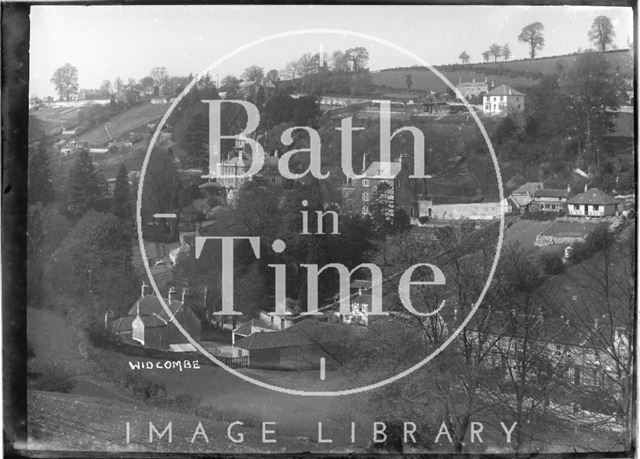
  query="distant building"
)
[
  {"x": 592, "y": 203},
  {"x": 148, "y": 324},
  {"x": 473, "y": 88},
  {"x": 302, "y": 345},
  {"x": 501, "y": 100}
]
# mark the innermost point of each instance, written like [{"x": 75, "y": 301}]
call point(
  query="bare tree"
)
[
  {"x": 506, "y": 52},
  {"x": 532, "y": 35},
  {"x": 496, "y": 51},
  {"x": 65, "y": 80}
]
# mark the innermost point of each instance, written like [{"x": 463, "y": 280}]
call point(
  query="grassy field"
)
[
  {"x": 54, "y": 117},
  {"x": 424, "y": 79},
  {"x": 123, "y": 123}
]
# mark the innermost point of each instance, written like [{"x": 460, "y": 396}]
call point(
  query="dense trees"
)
[
  {"x": 532, "y": 35},
  {"x": 602, "y": 33},
  {"x": 65, "y": 80},
  {"x": 40, "y": 183}
]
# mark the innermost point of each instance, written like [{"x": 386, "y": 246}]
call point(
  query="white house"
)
[
  {"x": 502, "y": 99},
  {"x": 592, "y": 203}
]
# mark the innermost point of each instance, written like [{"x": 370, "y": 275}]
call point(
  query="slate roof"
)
[
  {"x": 528, "y": 188},
  {"x": 551, "y": 193},
  {"x": 375, "y": 169},
  {"x": 593, "y": 196},
  {"x": 303, "y": 333},
  {"x": 504, "y": 90}
]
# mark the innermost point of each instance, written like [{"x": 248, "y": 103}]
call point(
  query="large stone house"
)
[
  {"x": 473, "y": 88},
  {"x": 402, "y": 192},
  {"x": 592, "y": 203},
  {"x": 501, "y": 100}
]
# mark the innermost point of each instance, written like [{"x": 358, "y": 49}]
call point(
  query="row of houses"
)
[{"x": 533, "y": 196}]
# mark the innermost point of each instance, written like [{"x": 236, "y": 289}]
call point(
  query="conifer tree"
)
[
  {"x": 83, "y": 192},
  {"x": 121, "y": 205}
]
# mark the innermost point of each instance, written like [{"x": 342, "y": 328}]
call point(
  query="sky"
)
[{"x": 105, "y": 42}]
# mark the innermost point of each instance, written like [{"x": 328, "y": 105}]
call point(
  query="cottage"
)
[
  {"x": 149, "y": 325},
  {"x": 501, "y": 100},
  {"x": 550, "y": 200},
  {"x": 520, "y": 198},
  {"x": 592, "y": 203}
]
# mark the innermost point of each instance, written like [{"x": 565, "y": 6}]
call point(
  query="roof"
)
[
  {"x": 504, "y": 90},
  {"x": 593, "y": 196},
  {"x": 472, "y": 84},
  {"x": 151, "y": 305},
  {"x": 528, "y": 188},
  {"x": 551, "y": 193},
  {"x": 303, "y": 333},
  {"x": 376, "y": 169},
  {"x": 361, "y": 283}
]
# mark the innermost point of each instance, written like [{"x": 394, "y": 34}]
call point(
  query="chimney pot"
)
[{"x": 172, "y": 292}]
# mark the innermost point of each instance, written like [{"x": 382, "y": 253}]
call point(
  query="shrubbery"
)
[
  {"x": 552, "y": 262},
  {"x": 597, "y": 240}
]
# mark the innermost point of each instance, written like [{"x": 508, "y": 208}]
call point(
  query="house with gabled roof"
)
[
  {"x": 520, "y": 198},
  {"x": 501, "y": 100},
  {"x": 592, "y": 203},
  {"x": 150, "y": 325}
]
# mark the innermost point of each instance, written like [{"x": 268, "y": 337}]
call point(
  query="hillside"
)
[
  {"x": 519, "y": 74},
  {"x": 123, "y": 123},
  {"x": 54, "y": 118}
]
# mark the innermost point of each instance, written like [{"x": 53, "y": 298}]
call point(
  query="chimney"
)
[
  {"x": 364, "y": 163},
  {"x": 145, "y": 289},
  {"x": 569, "y": 188},
  {"x": 459, "y": 80},
  {"x": 184, "y": 294},
  {"x": 276, "y": 153},
  {"x": 586, "y": 187},
  {"x": 474, "y": 80},
  {"x": 510, "y": 92},
  {"x": 492, "y": 85},
  {"x": 172, "y": 292}
]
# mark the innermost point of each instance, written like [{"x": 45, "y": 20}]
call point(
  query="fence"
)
[{"x": 234, "y": 362}]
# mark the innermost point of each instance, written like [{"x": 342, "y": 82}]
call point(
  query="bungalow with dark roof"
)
[
  {"x": 302, "y": 345},
  {"x": 150, "y": 325},
  {"x": 592, "y": 203}
]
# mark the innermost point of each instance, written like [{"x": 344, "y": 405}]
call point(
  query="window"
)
[
  {"x": 365, "y": 197},
  {"x": 596, "y": 207},
  {"x": 576, "y": 207},
  {"x": 365, "y": 183},
  {"x": 365, "y": 210}
]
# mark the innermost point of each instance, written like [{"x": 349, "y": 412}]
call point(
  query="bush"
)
[
  {"x": 52, "y": 378},
  {"x": 597, "y": 240},
  {"x": 540, "y": 215},
  {"x": 144, "y": 388},
  {"x": 552, "y": 263}
]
